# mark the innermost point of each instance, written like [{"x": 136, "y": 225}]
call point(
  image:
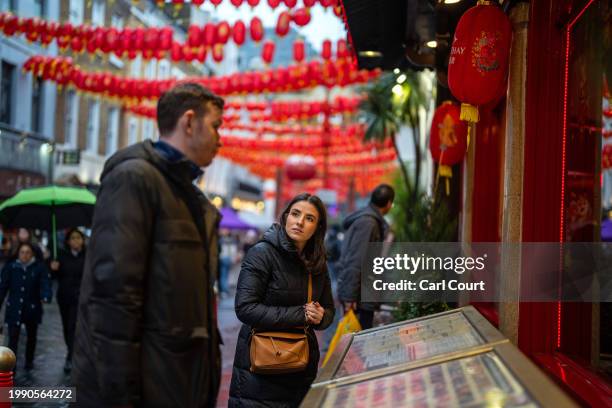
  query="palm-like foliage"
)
[{"x": 387, "y": 106}]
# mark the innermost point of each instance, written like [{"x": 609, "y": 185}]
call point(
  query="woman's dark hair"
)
[
  {"x": 69, "y": 233},
  {"x": 314, "y": 254}
]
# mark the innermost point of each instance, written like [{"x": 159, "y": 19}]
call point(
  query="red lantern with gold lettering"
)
[
  {"x": 478, "y": 63},
  {"x": 448, "y": 139}
]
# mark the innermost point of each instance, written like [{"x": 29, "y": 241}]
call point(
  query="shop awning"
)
[{"x": 230, "y": 220}]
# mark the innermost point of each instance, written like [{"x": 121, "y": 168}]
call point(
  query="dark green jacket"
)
[{"x": 147, "y": 331}]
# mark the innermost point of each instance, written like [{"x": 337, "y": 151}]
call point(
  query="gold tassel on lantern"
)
[
  {"x": 469, "y": 113},
  {"x": 446, "y": 172}
]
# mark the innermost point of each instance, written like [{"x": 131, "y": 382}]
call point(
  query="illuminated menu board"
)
[
  {"x": 478, "y": 381},
  {"x": 406, "y": 343}
]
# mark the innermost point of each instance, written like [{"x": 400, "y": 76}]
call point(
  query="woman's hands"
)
[{"x": 314, "y": 312}]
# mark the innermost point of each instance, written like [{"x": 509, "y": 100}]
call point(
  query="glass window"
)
[
  {"x": 76, "y": 11},
  {"x": 93, "y": 126},
  {"x": 133, "y": 131},
  {"x": 71, "y": 112},
  {"x": 6, "y": 92},
  {"x": 117, "y": 21},
  {"x": 37, "y": 88},
  {"x": 112, "y": 132},
  {"x": 97, "y": 12}
]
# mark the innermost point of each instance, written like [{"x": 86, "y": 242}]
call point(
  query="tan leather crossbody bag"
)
[{"x": 278, "y": 352}]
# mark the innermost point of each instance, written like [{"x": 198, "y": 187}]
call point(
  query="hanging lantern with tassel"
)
[
  {"x": 478, "y": 63},
  {"x": 447, "y": 141}
]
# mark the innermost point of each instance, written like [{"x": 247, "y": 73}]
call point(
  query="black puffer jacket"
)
[
  {"x": 146, "y": 331},
  {"x": 69, "y": 276},
  {"x": 272, "y": 289}
]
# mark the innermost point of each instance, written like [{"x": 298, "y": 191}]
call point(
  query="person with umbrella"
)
[
  {"x": 68, "y": 269},
  {"x": 27, "y": 283}
]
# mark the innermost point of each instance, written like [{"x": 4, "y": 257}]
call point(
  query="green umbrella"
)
[{"x": 49, "y": 208}]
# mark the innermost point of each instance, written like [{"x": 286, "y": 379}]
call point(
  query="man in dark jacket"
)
[
  {"x": 147, "y": 330},
  {"x": 362, "y": 227}
]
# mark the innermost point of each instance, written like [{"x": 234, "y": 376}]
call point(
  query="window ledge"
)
[{"x": 580, "y": 380}]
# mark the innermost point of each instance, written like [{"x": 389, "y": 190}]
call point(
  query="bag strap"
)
[{"x": 309, "y": 287}]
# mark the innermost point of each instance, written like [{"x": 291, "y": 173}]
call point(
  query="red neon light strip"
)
[{"x": 563, "y": 158}]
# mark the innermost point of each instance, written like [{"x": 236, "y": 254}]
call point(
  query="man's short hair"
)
[
  {"x": 179, "y": 99},
  {"x": 382, "y": 195}
]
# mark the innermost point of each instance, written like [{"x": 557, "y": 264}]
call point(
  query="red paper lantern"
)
[
  {"x": 210, "y": 34},
  {"x": 201, "y": 54},
  {"x": 298, "y": 51},
  {"x": 256, "y": 29},
  {"x": 253, "y": 3},
  {"x": 217, "y": 52},
  {"x": 76, "y": 44},
  {"x": 165, "y": 38},
  {"x": 341, "y": 50},
  {"x": 194, "y": 35},
  {"x": 237, "y": 3},
  {"x": 216, "y": 2},
  {"x": 448, "y": 139},
  {"x": 326, "y": 50},
  {"x": 290, "y": 3},
  {"x": 301, "y": 17},
  {"x": 267, "y": 53},
  {"x": 282, "y": 24},
  {"x": 327, "y": 3},
  {"x": 239, "y": 32},
  {"x": 223, "y": 32},
  {"x": 309, "y": 3},
  {"x": 300, "y": 167},
  {"x": 197, "y": 2},
  {"x": 478, "y": 63},
  {"x": 273, "y": 3}
]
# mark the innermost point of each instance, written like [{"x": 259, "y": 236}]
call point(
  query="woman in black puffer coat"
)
[
  {"x": 272, "y": 294},
  {"x": 68, "y": 270}
]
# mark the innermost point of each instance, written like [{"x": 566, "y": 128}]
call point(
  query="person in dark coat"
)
[
  {"x": 147, "y": 326},
  {"x": 362, "y": 227},
  {"x": 68, "y": 270},
  {"x": 272, "y": 294},
  {"x": 27, "y": 282}
]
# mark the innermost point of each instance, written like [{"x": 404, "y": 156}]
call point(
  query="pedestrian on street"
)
[
  {"x": 68, "y": 270},
  {"x": 362, "y": 227},
  {"x": 147, "y": 327},
  {"x": 272, "y": 294},
  {"x": 27, "y": 282}
]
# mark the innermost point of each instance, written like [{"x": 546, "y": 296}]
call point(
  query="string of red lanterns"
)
[
  {"x": 286, "y": 79},
  {"x": 154, "y": 42},
  {"x": 290, "y": 4}
]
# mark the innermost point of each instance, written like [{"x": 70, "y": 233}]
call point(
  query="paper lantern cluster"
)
[{"x": 293, "y": 78}]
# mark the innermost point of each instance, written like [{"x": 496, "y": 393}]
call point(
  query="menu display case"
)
[
  {"x": 494, "y": 376},
  {"x": 415, "y": 342}
]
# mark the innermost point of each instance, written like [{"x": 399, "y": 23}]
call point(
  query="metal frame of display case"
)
[
  {"x": 488, "y": 334},
  {"x": 539, "y": 387}
]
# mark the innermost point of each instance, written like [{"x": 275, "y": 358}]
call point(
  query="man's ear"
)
[{"x": 186, "y": 121}]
